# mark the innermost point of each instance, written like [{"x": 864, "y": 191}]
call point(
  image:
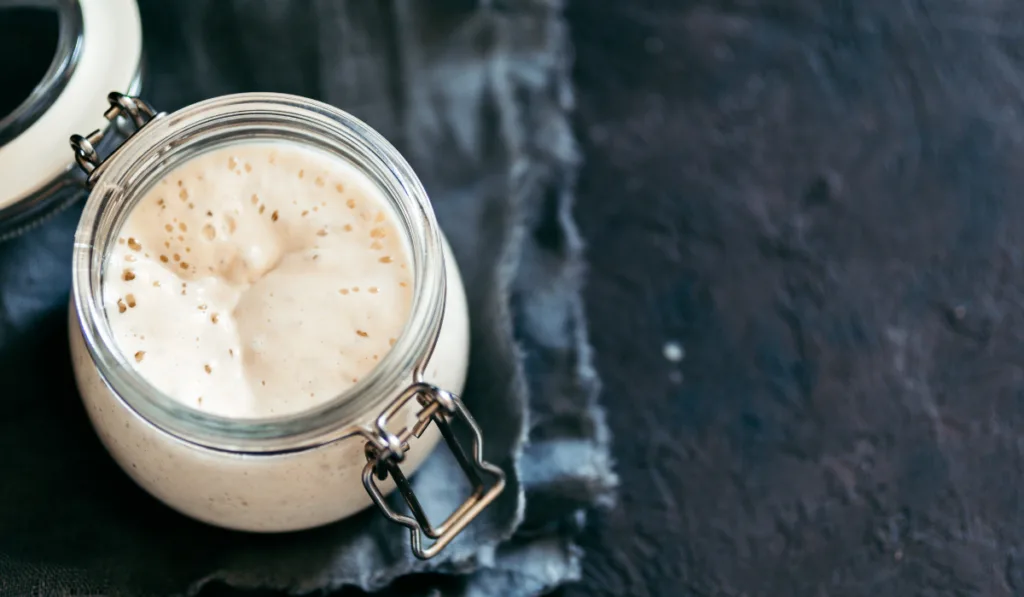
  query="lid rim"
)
[
  {"x": 110, "y": 58},
  {"x": 60, "y": 192},
  {"x": 62, "y": 67}
]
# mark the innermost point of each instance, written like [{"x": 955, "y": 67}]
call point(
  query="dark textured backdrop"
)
[
  {"x": 821, "y": 201},
  {"x": 818, "y": 201}
]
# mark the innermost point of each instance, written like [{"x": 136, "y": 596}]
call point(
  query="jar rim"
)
[{"x": 152, "y": 150}]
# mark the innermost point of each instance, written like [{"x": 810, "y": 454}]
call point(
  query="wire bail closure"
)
[
  {"x": 386, "y": 450},
  {"x": 122, "y": 107}
]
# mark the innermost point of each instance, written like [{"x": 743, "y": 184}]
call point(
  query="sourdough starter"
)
[{"x": 259, "y": 280}]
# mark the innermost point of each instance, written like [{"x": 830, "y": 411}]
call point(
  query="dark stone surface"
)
[{"x": 820, "y": 202}]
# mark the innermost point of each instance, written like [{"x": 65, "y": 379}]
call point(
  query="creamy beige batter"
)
[
  {"x": 266, "y": 245},
  {"x": 258, "y": 280}
]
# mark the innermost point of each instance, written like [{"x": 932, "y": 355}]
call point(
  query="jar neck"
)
[{"x": 167, "y": 142}]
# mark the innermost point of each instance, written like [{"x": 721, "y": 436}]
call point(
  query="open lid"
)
[{"x": 58, "y": 58}]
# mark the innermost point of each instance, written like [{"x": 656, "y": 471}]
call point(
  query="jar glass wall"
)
[{"x": 274, "y": 473}]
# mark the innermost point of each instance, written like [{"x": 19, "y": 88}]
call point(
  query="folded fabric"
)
[{"x": 477, "y": 97}]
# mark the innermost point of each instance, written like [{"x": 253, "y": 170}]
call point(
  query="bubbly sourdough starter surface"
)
[
  {"x": 258, "y": 280},
  {"x": 256, "y": 311}
]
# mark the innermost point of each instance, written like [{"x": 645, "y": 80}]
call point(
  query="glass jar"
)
[
  {"x": 95, "y": 45},
  {"x": 305, "y": 469}
]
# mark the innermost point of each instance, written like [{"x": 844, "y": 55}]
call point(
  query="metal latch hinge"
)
[
  {"x": 386, "y": 450},
  {"x": 124, "y": 111}
]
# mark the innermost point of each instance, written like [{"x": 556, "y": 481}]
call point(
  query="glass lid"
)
[{"x": 58, "y": 58}]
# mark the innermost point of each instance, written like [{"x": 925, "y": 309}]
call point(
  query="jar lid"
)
[{"x": 71, "y": 52}]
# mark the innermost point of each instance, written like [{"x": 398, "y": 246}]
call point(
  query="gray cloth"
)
[{"x": 476, "y": 96}]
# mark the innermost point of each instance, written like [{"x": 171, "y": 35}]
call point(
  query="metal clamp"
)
[
  {"x": 121, "y": 106},
  {"x": 385, "y": 450}
]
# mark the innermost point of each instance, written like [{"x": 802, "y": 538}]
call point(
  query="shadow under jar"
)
[{"x": 312, "y": 465}]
